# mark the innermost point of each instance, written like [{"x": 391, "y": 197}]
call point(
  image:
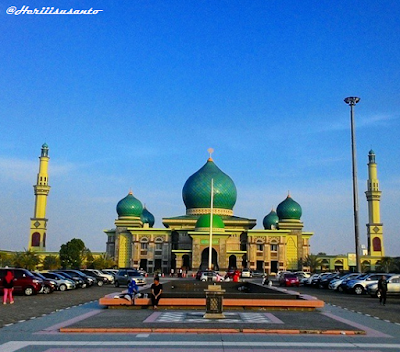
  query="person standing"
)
[
  {"x": 382, "y": 288},
  {"x": 156, "y": 290},
  {"x": 8, "y": 284}
]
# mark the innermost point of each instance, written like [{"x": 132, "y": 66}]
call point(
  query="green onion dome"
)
[
  {"x": 196, "y": 192},
  {"x": 147, "y": 217},
  {"x": 271, "y": 220},
  {"x": 203, "y": 222},
  {"x": 289, "y": 209},
  {"x": 129, "y": 206}
]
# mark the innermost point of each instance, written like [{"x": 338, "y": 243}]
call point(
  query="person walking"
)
[
  {"x": 382, "y": 289},
  {"x": 156, "y": 290},
  {"x": 8, "y": 284}
]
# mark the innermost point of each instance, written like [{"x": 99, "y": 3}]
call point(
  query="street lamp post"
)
[{"x": 352, "y": 101}]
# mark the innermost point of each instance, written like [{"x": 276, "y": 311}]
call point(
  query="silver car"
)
[
  {"x": 62, "y": 284},
  {"x": 393, "y": 287}
]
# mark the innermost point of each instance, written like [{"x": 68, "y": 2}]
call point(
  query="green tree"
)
[
  {"x": 313, "y": 262},
  {"x": 386, "y": 264},
  {"x": 5, "y": 259},
  {"x": 73, "y": 254},
  {"x": 51, "y": 262},
  {"x": 27, "y": 260},
  {"x": 103, "y": 262}
]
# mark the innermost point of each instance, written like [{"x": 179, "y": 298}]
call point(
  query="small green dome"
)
[
  {"x": 129, "y": 206},
  {"x": 203, "y": 222},
  {"x": 371, "y": 152},
  {"x": 289, "y": 210},
  {"x": 271, "y": 220},
  {"x": 45, "y": 146},
  {"x": 196, "y": 192},
  {"x": 147, "y": 217}
]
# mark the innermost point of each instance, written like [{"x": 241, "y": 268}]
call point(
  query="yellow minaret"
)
[
  {"x": 374, "y": 226},
  {"x": 37, "y": 239}
]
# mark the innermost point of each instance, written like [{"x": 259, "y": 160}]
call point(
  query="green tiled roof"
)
[{"x": 196, "y": 192}]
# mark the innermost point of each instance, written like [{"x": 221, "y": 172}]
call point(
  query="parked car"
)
[
  {"x": 317, "y": 279},
  {"x": 335, "y": 284},
  {"x": 258, "y": 273},
  {"x": 124, "y": 276},
  {"x": 325, "y": 281},
  {"x": 359, "y": 285},
  {"x": 110, "y": 277},
  {"x": 101, "y": 279},
  {"x": 281, "y": 273},
  {"x": 393, "y": 287},
  {"x": 246, "y": 273},
  {"x": 77, "y": 279},
  {"x": 63, "y": 284},
  {"x": 199, "y": 273},
  {"x": 211, "y": 276},
  {"x": 289, "y": 279},
  {"x": 24, "y": 281},
  {"x": 308, "y": 281},
  {"x": 88, "y": 280},
  {"x": 49, "y": 285}
]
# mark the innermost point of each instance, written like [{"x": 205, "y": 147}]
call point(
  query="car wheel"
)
[
  {"x": 100, "y": 283},
  {"x": 46, "y": 290},
  {"x": 340, "y": 289},
  {"x": 116, "y": 284},
  {"x": 29, "y": 291},
  {"x": 358, "y": 290},
  {"x": 63, "y": 287}
]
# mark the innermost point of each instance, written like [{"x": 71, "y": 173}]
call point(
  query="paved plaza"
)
[{"x": 97, "y": 329}]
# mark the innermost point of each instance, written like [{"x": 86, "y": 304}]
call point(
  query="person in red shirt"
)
[{"x": 8, "y": 284}]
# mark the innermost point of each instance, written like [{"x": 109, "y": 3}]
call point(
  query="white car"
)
[
  {"x": 246, "y": 273},
  {"x": 109, "y": 277},
  {"x": 211, "y": 274}
]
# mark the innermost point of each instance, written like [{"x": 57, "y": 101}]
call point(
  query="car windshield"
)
[{"x": 133, "y": 273}]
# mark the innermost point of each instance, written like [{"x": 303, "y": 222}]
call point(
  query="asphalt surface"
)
[
  {"x": 34, "y": 306},
  {"x": 359, "y": 303},
  {"x": 26, "y": 308}
]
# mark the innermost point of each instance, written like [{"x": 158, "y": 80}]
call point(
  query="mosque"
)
[{"x": 185, "y": 240}]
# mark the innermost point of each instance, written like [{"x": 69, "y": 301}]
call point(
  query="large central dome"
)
[{"x": 196, "y": 192}]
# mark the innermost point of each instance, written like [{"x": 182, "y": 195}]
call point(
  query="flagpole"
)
[{"x": 211, "y": 226}]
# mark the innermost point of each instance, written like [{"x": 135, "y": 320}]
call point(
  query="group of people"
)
[{"x": 156, "y": 291}]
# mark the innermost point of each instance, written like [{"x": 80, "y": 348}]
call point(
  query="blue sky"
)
[{"x": 134, "y": 96}]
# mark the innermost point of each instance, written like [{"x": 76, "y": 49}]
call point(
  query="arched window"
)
[
  {"x": 159, "y": 245},
  {"x": 260, "y": 244},
  {"x": 44, "y": 239},
  {"x": 144, "y": 242},
  {"x": 35, "y": 239},
  {"x": 376, "y": 244}
]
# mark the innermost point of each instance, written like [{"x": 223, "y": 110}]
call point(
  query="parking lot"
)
[
  {"x": 35, "y": 306},
  {"x": 359, "y": 303}
]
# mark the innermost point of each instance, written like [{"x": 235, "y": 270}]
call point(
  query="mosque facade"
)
[{"x": 185, "y": 240}]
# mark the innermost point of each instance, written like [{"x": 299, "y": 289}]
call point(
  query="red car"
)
[
  {"x": 288, "y": 280},
  {"x": 24, "y": 281}
]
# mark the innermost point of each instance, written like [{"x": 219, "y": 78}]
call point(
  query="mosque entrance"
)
[
  {"x": 204, "y": 259},
  {"x": 232, "y": 262}
]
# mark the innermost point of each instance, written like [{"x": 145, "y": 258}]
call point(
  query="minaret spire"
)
[
  {"x": 374, "y": 226},
  {"x": 37, "y": 239}
]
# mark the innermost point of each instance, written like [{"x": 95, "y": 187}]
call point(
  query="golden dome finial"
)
[
  {"x": 210, "y": 150},
  {"x": 288, "y": 194},
  {"x": 130, "y": 191}
]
